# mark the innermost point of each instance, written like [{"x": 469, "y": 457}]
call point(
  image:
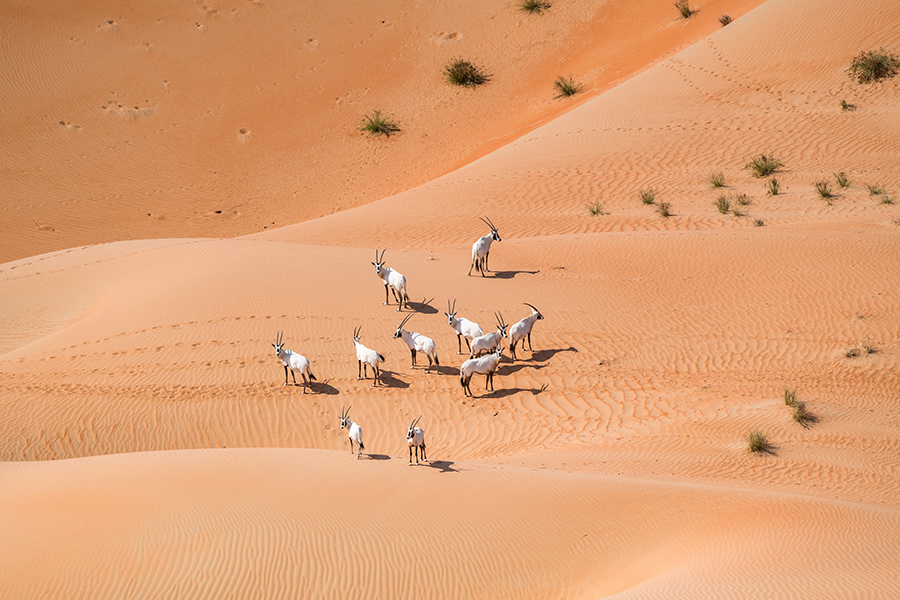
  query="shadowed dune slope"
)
[
  {"x": 159, "y": 119},
  {"x": 281, "y": 523}
]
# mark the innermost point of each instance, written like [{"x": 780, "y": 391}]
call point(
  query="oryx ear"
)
[{"x": 374, "y": 265}]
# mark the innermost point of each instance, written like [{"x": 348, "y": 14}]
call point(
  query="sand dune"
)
[{"x": 610, "y": 462}]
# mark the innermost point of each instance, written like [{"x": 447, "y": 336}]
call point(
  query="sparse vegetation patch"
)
[
  {"x": 595, "y": 208},
  {"x": 772, "y": 187},
  {"x": 757, "y": 441},
  {"x": 742, "y": 199},
  {"x": 737, "y": 212},
  {"x": 534, "y": 6},
  {"x": 887, "y": 200},
  {"x": 875, "y": 190},
  {"x": 378, "y": 124},
  {"x": 847, "y": 107},
  {"x": 663, "y": 209},
  {"x": 841, "y": 179},
  {"x": 684, "y": 10},
  {"x": 763, "y": 165},
  {"x": 824, "y": 190},
  {"x": 566, "y": 87},
  {"x": 725, "y": 19},
  {"x": 873, "y": 66},
  {"x": 648, "y": 195},
  {"x": 759, "y": 223},
  {"x": 790, "y": 397},
  {"x": 723, "y": 204},
  {"x": 851, "y": 352},
  {"x": 464, "y": 73},
  {"x": 717, "y": 179},
  {"x": 868, "y": 347}
]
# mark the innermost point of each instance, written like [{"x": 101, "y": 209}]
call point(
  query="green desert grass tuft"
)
[
  {"x": 875, "y": 189},
  {"x": 823, "y": 188},
  {"x": 566, "y": 87},
  {"x": 800, "y": 414},
  {"x": 841, "y": 179},
  {"x": 378, "y": 124},
  {"x": 886, "y": 200},
  {"x": 742, "y": 199},
  {"x": 717, "y": 179},
  {"x": 595, "y": 208},
  {"x": 723, "y": 204},
  {"x": 873, "y": 66},
  {"x": 663, "y": 209},
  {"x": 772, "y": 187},
  {"x": 464, "y": 73},
  {"x": 648, "y": 196},
  {"x": 725, "y": 19},
  {"x": 535, "y": 7},
  {"x": 763, "y": 165},
  {"x": 684, "y": 10},
  {"x": 757, "y": 441},
  {"x": 790, "y": 397}
]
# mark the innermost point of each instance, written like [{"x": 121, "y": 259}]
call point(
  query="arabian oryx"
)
[
  {"x": 418, "y": 343},
  {"x": 481, "y": 249},
  {"x": 489, "y": 341},
  {"x": 486, "y": 365},
  {"x": 366, "y": 357},
  {"x": 295, "y": 362},
  {"x": 391, "y": 279},
  {"x": 522, "y": 330},
  {"x": 354, "y": 432},
  {"x": 464, "y": 328},
  {"x": 415, "y": 437}
]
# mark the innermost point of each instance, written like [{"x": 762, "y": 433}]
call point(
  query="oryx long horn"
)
[
  {"x": 382, "y": 255},
  {"x": 491, "y": 223},
  {"x": 502, "y": 322},
  {"x": 532, "y": 306},
  {"x": 485, "y": 222},
  {"x": 417, "y": 421},
  {"x": 405, "y": 319},
  {"x": 454, "y": 306}
]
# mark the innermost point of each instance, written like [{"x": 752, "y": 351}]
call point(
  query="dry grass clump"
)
[
  {"x": 868, "y": 347},
  {"x": 847, "y": 107},
  {"x": 723, "y": 204},
  {"x": 841, "y": 179},
  {"x": 763, "y": 165},
  {"x": 648, "y": 196},
  {"x": 464, "y": 73},
  {"x": 772, "y": 187},
  {"x": 875, "y": 189},
  {"x": 886, "y": 200},
  {"x": 663, "y": 209},
  {"x": 759, "y": 222},
  {"x": 378, "y": 124},
  {"x": 824, "y": 190},
  {"x": 742, "y": 199},
  {"x": 873, "y": 66},
  {"x": 566, "y": 87},
  {"x": 725, "y": 19},
  {"x": 595, "y": 208},
  {"x": 738, "y": 212},
  {"x": 851, "y": 352},
  {"x": 757, "y": 441},
  {"x": 535, "y": 7},
  {"x": 684, "y": 10},
  {"x": 790, "y": 397},
  {"x": 717, "y": 179},
  {"x": 800, "y": 413}
]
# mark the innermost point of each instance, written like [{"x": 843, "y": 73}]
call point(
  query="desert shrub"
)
[
  {"x": 725, "y": 19},
  {"x": 595, "y": 208},
  {"x": 759, "y": 223},
  {"x": 868, "y": 347},
  {"x": 763, "y": 165},
  {"x": 663, "y": 209},
  {"x": 742, "y": 199},
  {"x": 717, "y": 179},
  {"x": 875, "y": 190},
  {"x": 534, "y": 6},
  {"x": 790, "y": 397},
  {"x": 772, "y": 187},
  {"x": 847, "y": 107},
  {"x": 886, "y": 200},
  {"x": 378, "y": 124},
  {"x": 873, "y": 66},
  {"x": 566, "y": 87},
  {"x": 851, "y": 352},
  {"x": 464, "y": 73},
  {"x": 841, "y": 179},
  {"x": 757, "y": 441},
  {"x": 648, "y": 195},
  {"x": 723, "y": 204},
  {"x": 800, "y": 414},
  {"x": 824, "y": 189},
  {"x": 684, "y": 10}
]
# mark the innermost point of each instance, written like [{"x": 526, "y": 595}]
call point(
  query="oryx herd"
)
[{"x": 485, "y": 349}]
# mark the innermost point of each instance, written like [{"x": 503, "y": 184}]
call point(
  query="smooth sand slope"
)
[
  {"x": 224, "y": 117},
  {"x": 610, "y": 462}
]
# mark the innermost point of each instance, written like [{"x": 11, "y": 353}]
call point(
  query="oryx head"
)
[
  {"x": 379, "y": 261},
  {"x": 494, "y": 233},
  {"x": 411, "y": 432},
  {"x": 399, "y": 331},
  {"x": 356, "y": 335},
  {"x": 345, "y": 417},
  {"x": 501, "y": 325},
  {"x": 279, "y": 344},
  {"x": 536, "y": 311},
  {"x": 451, "y": 312}
]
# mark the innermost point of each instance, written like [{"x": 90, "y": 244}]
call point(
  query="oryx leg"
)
[
  {"x": 459, "y": 344},
  {"x": 386, "y": 295},
  {"x": 285, "y": 374},
  {"x": 410, "y": 456},
  {"x": 530, "y": 346},
  {"x": 486, "y": 254},
  {"x": 468, "y": 346},
  {"x": 413, "y": 352}
]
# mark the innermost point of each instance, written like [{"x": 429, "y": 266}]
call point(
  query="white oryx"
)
[
  {"x": 486, "y": 365},
  {"x": 354, "y": 432},
  {"x": 391, "y": 279},
  {"x": 464, "y": 328},
  {"x": 366, "y": 357},
  {"x": 293, "y": 361},
  {"x": 415, "y": 437},
  {"x": 522, "y": 330},
  {"x": 482, "y": 248},
  {"x": 489, "y": 341},
  {"x": 418, "y": 343}
]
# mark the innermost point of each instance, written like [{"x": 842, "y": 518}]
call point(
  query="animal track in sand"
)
[
  {"x": 312, "y": 43},
  {"x": 109, "y": 25},
  {"x": 244, "y": 134},
  {"x": 70, "y": 126},
  {"x": 444, "y": 39}
]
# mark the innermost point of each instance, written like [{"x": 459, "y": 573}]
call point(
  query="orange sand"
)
[{"x": 151, "y": 449}]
